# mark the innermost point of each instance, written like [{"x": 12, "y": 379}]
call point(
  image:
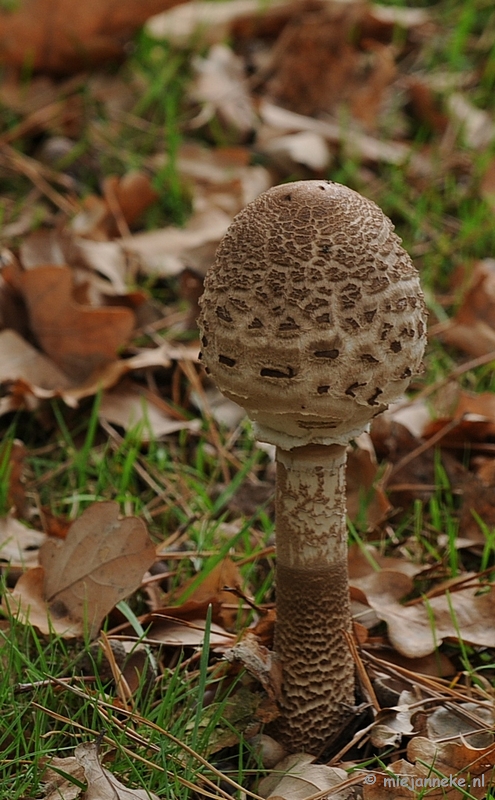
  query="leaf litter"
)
[
  {"x": 79, "y": 580},
  {"x": 77, "y": 320}
]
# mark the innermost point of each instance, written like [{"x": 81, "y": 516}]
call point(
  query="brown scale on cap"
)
[
  {"x": 312, "y": 315},
  {"x": 313, "y": 320}
]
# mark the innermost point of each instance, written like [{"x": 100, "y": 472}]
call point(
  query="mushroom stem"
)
[{"x": 312, "y": 594}]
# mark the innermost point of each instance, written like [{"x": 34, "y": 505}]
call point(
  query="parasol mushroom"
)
[{"x": 313, "y": 320}]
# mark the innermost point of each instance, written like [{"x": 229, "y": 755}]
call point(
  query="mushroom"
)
[{"x": 313, "y": 320}]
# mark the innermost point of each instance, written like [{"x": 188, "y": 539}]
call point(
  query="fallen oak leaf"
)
[
  {"x": 452, "y": 770},
  {"x": 65, "y": 37},
  {"x": 57, "y": 779},
  {"x": 472, "y": 721},
  {"x": 473, "y": 327},
  {"x": 80, "y": 579},
  {"x": 102, "y": 784},
  {"x": 417, "y": 630},
  {"x": 78, "y": 338},
  {"x": 31, "y": 376},
  {"x": 128, "y": 406},
  {"x": 21, "y": 361},
  {"x": 18, "y": 543},
  {"x": 297, "y": 777},
  {"x": 455, "y": 758}
]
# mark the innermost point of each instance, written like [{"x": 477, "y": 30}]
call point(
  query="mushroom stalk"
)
[{"x": 312, "y": 593}]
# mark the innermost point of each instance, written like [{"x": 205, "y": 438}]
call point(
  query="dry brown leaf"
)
[
  {"x": 109, "y": 375},
  {"x": 56, "y": 786},
  {"x": 417, "y": 630},
  {"x": 79, "y": 339},
  {"x": 259, "y": 661},
  {"x": 102, "y": 784},
  {"x": 297, "y": 777},
  {"x": 169, "y": 250},
  {"x": 124, "y": 200},
  {"x": 222, "y": 182},
  {"x": 128, "y": 407},
  {"x": 222, "y": 90},
  {"x": 368, "y": 97},
  {"x": 487, "y": 184},
  {"x": 21, "y": 361},
  {"x": 313, "y": 64},
  {"x": 64, "y": 36},
  {"x": 211, "y": 590},
  {"x": 466, "y": 719},
  {"x": 390, "y": 725},
  {"x": 452, "y": 757},
  {"x": 185, "y": 623},
  {"x": 224, "y": 574},
  {"x": 365, "y": 560},
  {"x": 133, "y": 193},
  {"x": 291, "y": 152},
  {"x": 223, "y": 177},
  {"x": 30, "y": 375},
  {"x": 174, "y": 632},
  {"x": 476, "y": 125},
  {"x": 354, "y": 143},
  {"x": 17, "y": 500},
  {"x": 365, "y": 500},
  {"x": 473, "y": 327},
  {"x": 436, "y": 664},
  {"x": 101, "y": 561},
  {"x": 19, "y": 544},
  {"x": 41, "y": 247},
  {"x": 104, "y": 258},
  {"x": 424, "y": 105},
  {"x": 482, "y": 404},
  {"x": 210, "y": 18},
  {"x": 461, "y": 767}
]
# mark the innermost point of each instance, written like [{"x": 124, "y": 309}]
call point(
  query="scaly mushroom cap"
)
[{"x": 312, "y": 316}]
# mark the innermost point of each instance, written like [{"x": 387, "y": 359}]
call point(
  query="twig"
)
[
  {"x": 480, "y": 361},
  {"x": 33, "y": 171},
  {"x": 425, "y": 446}
]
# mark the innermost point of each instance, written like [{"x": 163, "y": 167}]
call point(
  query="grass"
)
[
  {"x": 53, "y": 693},
  {"x": 42, "y": 715}
]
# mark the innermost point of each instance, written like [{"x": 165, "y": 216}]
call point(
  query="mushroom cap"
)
[{"x": 312, "y": 316}]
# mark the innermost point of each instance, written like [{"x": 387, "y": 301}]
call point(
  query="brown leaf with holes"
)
[
  {"x": 80, "y": 579},
  {"x": 78, "y": 338}
]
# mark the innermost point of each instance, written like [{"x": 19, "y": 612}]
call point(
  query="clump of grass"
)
[{"x": 49, "y": 706}]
